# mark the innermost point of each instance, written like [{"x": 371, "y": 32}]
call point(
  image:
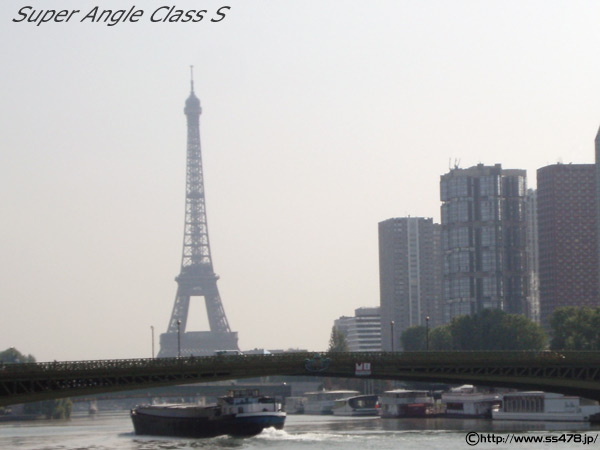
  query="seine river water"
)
[{"x": 108, "y": 431}]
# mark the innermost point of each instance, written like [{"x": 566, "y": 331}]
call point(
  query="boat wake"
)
[{"x": 271, "y": 434}]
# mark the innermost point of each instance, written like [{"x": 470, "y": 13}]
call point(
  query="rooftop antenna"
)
[{"x": 192, "y": 77}]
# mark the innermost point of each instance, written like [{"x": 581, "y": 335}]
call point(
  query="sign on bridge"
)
[{"x": 362, "y": 369}]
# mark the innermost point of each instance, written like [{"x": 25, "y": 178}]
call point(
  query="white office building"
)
[{"x": 362, "y": 331}]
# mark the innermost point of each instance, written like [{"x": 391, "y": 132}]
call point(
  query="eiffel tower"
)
[{"x": 197, "y": 277}]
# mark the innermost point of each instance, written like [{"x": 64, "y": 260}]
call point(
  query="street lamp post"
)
[
  {"x": 392, "y": 336},
  {"x": 427, "y": 332},
  {"x": 179, "y": 338},
  {"x": 152, "y": 328}
]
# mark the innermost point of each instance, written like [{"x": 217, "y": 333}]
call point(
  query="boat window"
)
[{"x": 454, "y": 406}]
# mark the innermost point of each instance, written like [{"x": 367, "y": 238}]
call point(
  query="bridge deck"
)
[{"x": 566, "y": 372}]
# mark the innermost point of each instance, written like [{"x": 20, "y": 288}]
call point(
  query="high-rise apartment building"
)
[
  {"x": 533, "y": 294},
  {"x": 409, "y": 276},
  {"x": 363, "y": 331},
  {"x": 484, "y": 240},
  {"x": 567, "y": 237},
  {"x": 597, "y": 154}
]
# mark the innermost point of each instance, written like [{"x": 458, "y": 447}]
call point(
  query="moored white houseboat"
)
[
  {"x": 295, "y": 405},
  {"x": 545, "y": 406},
  {"x": 406, "y": 403},
  {"x": 321, "y": 402},
  {"x": 466, "y": 401},
  {"x": 358, "y": 405}
]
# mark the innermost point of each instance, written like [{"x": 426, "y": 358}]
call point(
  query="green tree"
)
[
  {"x": 13, "y": 356},
  {"x": 520, "y": 333},
  {"x": 440, "y": 338},
  {"x": 337, "y": 341},
  {"x": 59, "y": 408},
  {"x": 414, "y": 339},
  {"x": 575, "y": 328},
  {"x": 493, "y": 329}
]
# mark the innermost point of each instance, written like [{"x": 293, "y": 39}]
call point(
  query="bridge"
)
[{"x": 575, "y": 373}]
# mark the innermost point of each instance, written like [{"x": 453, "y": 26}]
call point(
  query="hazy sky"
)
[{"x": 320, "y": 119}]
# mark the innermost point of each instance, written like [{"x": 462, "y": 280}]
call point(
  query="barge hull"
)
[{"x": 204, "y": 427}]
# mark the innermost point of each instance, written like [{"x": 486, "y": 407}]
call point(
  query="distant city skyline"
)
[{"x": 320, "y": 120}]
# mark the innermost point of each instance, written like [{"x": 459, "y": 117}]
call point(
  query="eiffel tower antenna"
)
[
  {"x": 192, "y": 78},
  {"x": 197, "y": 277}
]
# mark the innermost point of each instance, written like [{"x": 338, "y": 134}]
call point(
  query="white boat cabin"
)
[
  {"x": 245, "y": 401},
  {"x": 321, "y": 402},
  {"x": 468, "y": 402},
  {"x": 537, "y": 405}
]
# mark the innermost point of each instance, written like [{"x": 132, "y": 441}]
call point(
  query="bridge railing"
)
[{"x": 143, "y": 363}]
